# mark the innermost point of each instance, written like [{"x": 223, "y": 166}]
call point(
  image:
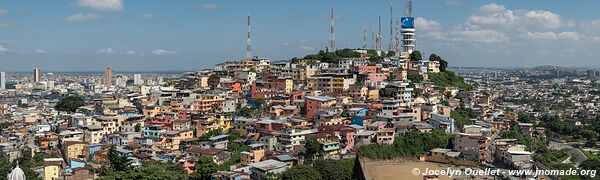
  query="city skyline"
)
[{"x": 81, "y": 35}]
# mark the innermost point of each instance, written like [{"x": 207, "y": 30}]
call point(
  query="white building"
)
[
  {"x": 2, "y": 80},
  {"x": 137, "y": 79}
]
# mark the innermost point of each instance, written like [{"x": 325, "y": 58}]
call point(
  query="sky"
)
[{"x": 187, "y": 35}]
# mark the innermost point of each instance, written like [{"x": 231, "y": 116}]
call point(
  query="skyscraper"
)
[
  {"x": 2, "y": 80},
  {"x": 592, "y": 74},
  {"x": 37, "y": 75},
  {"x": 107, "y": 76},
  {"x": 137, "y": 79}
]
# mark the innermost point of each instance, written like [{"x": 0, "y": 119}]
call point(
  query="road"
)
[{"x": 576, "y": 153}]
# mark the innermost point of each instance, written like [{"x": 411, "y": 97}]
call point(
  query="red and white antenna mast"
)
[{"x": 248, "y": 49}]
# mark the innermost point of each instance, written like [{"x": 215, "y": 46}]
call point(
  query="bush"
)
[{"x": 70, "y": 104}]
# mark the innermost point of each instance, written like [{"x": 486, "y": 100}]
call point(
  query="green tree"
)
[
  {"x": 524, "y": 118},
  {"x": 447, "y": 78},
  {"x": 117, "y": 162},
  {"x": 313, "y": 147},
  {"x": 347, "y": 53},
  {"x": 70, "y": 104},
  {"x": 5, "y": 167},
  {"x": 149, "y": 171},
  {"x": 373, "y": 53},
  {"x": 302, "y": 172},
  {"x": 411, "y": 144},
  {"x": 205, "y": 167},
  {"x": 390, "y": 53},
  {"x": 25, "y": 163},
  {"x": 443, "y": 63},
  {"x": 272, "y": 176},
  {"x": 461, "y": 118},
  {"x": 415, "y": 77},
  {"x": 137, "y": 127},
  {"x": 335, "y": 169},
  {"x": 415, "y": 56}
]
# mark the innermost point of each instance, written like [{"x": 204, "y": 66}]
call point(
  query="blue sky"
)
[{"x": 153, "y": 35}]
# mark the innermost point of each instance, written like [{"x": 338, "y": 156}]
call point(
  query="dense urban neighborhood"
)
[{"x": 256, "y": 119}]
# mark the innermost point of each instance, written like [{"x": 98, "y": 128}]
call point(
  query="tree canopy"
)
[
  {"x": 335, "y": 169},
  {"x": 313, "y": 147},
  {"x": 302, "y": 172},
  {"x": 461, "y": 117},
  {"x": 411, "y": 144},
  {"x": 150, "y": 171},
  {"x": 415, "y": 56},
  {"x": 333, "y": 56},
  {"x": 70, "y": 103},
  {"x": 443, "y": 63},
  {"x": 205, "y": 166},
  {"x": 447, "y": 78}
]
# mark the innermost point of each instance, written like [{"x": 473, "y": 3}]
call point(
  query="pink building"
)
[
  {"x": 314, "y": 103},
  {"x": 366, "y": 69},
  {"x": 377, "y": 77},
  {"x": 345, "y": 133},
  {"x": 187, "y": 165}
]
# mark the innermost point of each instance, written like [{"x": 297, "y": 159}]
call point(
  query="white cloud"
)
[
  {"x": 163, "y": 52},
  {"x": 209, "y": 6},
  {"x": 498, "y": 16},
  {"x": 307, "y": 48},
  {"x": 426, "y": 25},
  {"x": 3, "y": 49},
  {"x": 492, "y": 8},
  {"x": 82, "y": 17},
  {"x": 106, "y": 51},
  {"x": 147, "y": 15},
  {"x": 539, "y": 36},
  {"x": 492, "y": 15},
  {"x": 41, "y": 51},
  {"x": 593, "y": 24},
  {"x": 570, "y": 35},
  {"x": 480, "y": 36},
  {"x": 286, "y": 44},
  {"x": 131, "y": 52},
  {"x": 3, "y": 11},
  {"x": 543, "y": 19},
  {"x": 104, "y": 5}
]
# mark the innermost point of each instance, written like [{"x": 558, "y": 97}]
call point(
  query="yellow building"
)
[
  {"x": 74, "y": 149},
  {"x": 52, "y": 168},
  {"x": 224, "y": 122}
]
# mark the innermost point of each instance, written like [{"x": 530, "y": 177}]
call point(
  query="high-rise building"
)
[
  {"x": 592, "y": 74},
  {"x": 137, "y": 79},
  {"x": 108, "y": 73},
  {"x": 2, "y": 80},
  {"x": 37, "y": 75},
  {"x": 408, "y": 30}
]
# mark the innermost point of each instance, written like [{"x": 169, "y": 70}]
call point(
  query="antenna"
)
[
  {"x": 408, "y": 8},
  {"x": 331, "y": 33},
  {"x": 373, "y": 39},
  {"x": 391, "y": 25},
  {"x": 397, "y": 39},
  {"x": 364, "y": 37},
  {"x": 379, "y": 35},
  {"x": 248, "y": 49}
]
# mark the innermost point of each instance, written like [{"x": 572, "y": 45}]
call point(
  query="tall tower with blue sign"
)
[{"x": 407, "y": 23}]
